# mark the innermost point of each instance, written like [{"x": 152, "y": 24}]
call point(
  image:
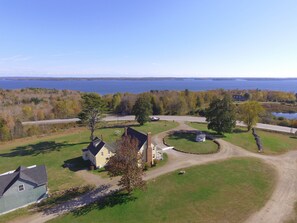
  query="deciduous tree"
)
[
  {"x": 127, "y": 163},
  {"x": 249, "y": 113},
  {"x": 4, "y": 130},
  {"x": 142, "y": 109}
]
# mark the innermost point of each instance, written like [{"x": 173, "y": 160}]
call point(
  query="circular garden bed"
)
[{"x": 185, "y": 142}]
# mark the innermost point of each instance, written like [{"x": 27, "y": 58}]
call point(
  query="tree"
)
[
  {"x": 142, "y": 109},
  {"x": 221, "y": 115},
  {"x": 4, "y": 130},
  {"x": 92, "y": 110},
  {"x": 127, "y": 163},
  {"x": 156, "y": 106},
  {"x": 116, "y": 100},
  {"x": 27, "y": 112},
  {"x": 18, "y": 129},
  {"x": 249, "y": 113}
]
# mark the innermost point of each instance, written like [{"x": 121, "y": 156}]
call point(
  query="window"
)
[
  {"x": 101, "y": 153},
  {"x": 21, "y": 187}
]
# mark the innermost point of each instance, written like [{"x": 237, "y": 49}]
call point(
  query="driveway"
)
[{"x": 279, "y": 208}]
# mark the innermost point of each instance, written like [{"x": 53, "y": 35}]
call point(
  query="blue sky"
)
[{"x": 140, "y": 38}]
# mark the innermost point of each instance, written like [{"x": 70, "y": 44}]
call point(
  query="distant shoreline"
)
[{"x": 143, "y": 78}]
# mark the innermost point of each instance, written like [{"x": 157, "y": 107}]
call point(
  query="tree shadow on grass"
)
[
  {"x": 237, "y": 130},
  {"x": 83, "y": 200},
  {"x": 121, "y": 126},
  {"x": 191, "y": 134},
  {"x": 76, "y": 164},
  {"x": 182, "y": 135},
  {"x": 38, "y": 148},
  {"x": 111, "y": 200}
]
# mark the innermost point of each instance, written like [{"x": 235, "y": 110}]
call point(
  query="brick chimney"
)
[{"x": 149, "y": 150}]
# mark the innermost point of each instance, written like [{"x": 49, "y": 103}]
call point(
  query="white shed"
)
[{"x": 200, "y": 137}]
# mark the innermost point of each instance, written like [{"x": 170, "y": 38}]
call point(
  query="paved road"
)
[
  {"x": 167, "y": 118},
  {"x": 51, "y": 121}
]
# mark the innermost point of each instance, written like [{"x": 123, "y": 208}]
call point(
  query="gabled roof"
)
[
  {"x": 141, "y": 137},
  {"x": 95, "y": 146},
  {"x": 36, "y": 175}
]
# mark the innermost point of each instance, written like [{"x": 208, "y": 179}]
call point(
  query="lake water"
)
[
  {"x": 108, "y": 86},
  {"x": 285, "y": 115}
]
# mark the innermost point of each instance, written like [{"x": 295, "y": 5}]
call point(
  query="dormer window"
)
[{"x": 21, "y": 187}]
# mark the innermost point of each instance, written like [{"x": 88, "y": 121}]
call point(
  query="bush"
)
[
  {"x": 284, "y": 123},
  {"x": 146, "y": 167}
]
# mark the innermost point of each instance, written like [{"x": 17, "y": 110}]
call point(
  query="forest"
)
[{"x": 32, "y": 104}]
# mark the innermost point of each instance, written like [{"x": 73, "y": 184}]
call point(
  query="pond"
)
[{"x": 285, "y": 115}]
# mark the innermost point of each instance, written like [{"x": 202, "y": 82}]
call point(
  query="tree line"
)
[{"x": 39, "y": 104}]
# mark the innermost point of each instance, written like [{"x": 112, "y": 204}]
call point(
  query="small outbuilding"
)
[{"x": 200, "y": 137}]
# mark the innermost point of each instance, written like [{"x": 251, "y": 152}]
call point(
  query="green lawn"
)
[
  {"x": 226, "y": 191},
  {"x": 156, "y": 127},
  {"x": 273, "y": 143},
  {"x": 186, "y": 142},
  {"x": 54, "y": 150}
]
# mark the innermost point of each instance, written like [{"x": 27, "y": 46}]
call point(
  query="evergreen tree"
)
[
  {"x": 221, "y": 115},
  {"x": 92, "y": 110},
  {"x": 156, "y": 106}
]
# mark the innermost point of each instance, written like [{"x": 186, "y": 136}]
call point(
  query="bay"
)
[
  {"x": 110, "y": 86},
  {"x": 290, "y": 116}
]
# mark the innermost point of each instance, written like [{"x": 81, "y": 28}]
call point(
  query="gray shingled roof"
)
[
  {"x": 36, "y": 175},
  {"x": 95, "y": 146},
  {"x": 141, "y": 137}
]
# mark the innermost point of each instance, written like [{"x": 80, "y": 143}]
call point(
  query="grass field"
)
[
  {"x": 54, "y": 150},
  {"x": 273, "y": 143},
  {"x": 226, "y": 191},
  {"x": 186, "y": 142}
]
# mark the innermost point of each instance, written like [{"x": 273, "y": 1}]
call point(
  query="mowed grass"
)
[
  {"x": 156, "y": 127},
  {"x": 186, "y": 142},
  {"x": 273, "y": 143},
  {"x": 53, "y": 150},
  {"x": 226, "y": 191}
]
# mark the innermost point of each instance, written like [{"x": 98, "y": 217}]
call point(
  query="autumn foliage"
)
[{"x": 127, "y": 163}]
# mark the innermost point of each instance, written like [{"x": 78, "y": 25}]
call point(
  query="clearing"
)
[
  {"x": 52, "y": 150},
  {"x": 230, "y": 190},
  {"x": 273, "y": 143},
  {"x": 185, "y": 142}
]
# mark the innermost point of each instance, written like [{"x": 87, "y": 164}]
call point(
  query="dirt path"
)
[{"x": 279, "y": 207}]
